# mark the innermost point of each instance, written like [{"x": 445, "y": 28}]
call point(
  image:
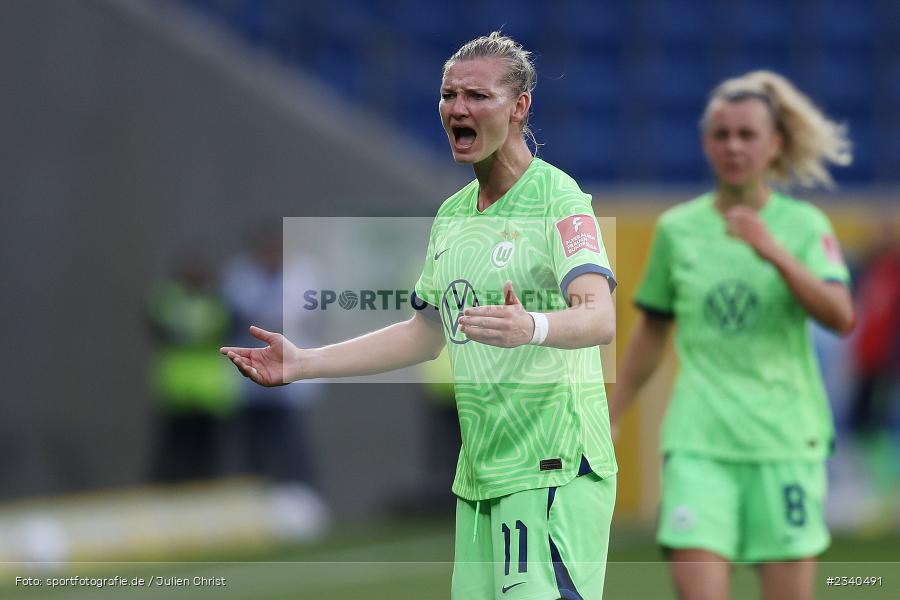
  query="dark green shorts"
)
[
  {"x": 743, "y": 511},
  {"x": 541, "y": 544}
]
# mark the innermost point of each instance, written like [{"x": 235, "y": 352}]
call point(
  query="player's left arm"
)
[
  {"x": 828, "y": 302},
  {"x": 589, "y": 320}
]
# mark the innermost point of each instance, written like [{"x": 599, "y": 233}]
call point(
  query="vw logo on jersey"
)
[
  {"x": 458, "y": 296},
  {"x": 731, "y": 306},
  {"x": 502, "y": 254}
]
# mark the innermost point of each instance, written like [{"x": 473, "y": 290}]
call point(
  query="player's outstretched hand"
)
[
  {"x": 269, "y": 366},
  {"x": 506, "y": 326}
]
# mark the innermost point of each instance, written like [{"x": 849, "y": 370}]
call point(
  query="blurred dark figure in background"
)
[
  {"x": 876, "y": 343},
  {"x": 874, "y": 418},
  {"x": 270, "y": 428},
  {"x": 443, "y": 440},
  {"x": 195, "y": 394}
]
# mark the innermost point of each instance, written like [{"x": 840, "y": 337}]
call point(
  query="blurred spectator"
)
[
  {"x": 195, "y": 389},
  {"x": 876, "y": 342},
  {"x": 443, "y": 441},
  {"x": 873, "y": 415},
  {"x": 271, "y": 437}
]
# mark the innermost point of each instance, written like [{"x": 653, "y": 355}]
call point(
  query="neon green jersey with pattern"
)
[
  {"x": 527, "y": 414},
  {"x": 748, "y": 386}
]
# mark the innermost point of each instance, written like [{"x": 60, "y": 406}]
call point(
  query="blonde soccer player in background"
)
[{"x": 740, "y": 270}]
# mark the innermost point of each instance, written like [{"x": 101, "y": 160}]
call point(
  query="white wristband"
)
[{"x": 541, "y": 328}]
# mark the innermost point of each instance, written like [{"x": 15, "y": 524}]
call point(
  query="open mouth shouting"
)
[{"x": 463, "y": 138}]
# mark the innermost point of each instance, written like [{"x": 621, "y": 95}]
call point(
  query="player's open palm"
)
[{"x": 269, "y": 366}]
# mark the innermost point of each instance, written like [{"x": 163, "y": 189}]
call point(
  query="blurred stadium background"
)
[{"x": 142, "y": 134}]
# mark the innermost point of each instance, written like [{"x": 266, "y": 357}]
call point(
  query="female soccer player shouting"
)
[
  {"x": 740, "y": 270},
  {"x": 535, "y": 480}
]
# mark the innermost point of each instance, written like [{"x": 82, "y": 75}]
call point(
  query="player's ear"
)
[{"x": 520, "y": 110}]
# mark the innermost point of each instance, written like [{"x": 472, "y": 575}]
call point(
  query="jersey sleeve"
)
[
  {"x": 576, "y": 244},
  {"x": 656, "y": 293},
  {"x": 822, "y": 254}
]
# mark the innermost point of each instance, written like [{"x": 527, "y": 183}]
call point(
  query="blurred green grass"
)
[{"x": 412, "y": 559}]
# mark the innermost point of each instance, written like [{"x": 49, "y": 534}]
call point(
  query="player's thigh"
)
[
  {"x": 551, "y": 543},
  {"x": 791, "y": 580},
  {"x": 502, "y": 550},
  {"x": 700, "y": 574},
  {"x": 580, "y": 517},
  {"x": 700, "y": 505},
  {"x": 473, "y": 561},
  {"x": 519, "y": 530},
  {"x": 783, "y": 517},
  {"x": 542, "y": 544}
]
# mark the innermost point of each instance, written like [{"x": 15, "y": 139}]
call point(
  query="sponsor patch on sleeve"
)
[
  {"x": 578, "y": 232},
  {"x": 832, "y": 249}
]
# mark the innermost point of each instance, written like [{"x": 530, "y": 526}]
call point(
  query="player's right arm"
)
[
  {"x": 644, "y": 353},
  {"x": 394, "y": 347}
]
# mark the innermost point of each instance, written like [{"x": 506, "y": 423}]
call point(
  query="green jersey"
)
[
  {"x": 528, "y": 414},
  {"x": 748, "y": 386}
]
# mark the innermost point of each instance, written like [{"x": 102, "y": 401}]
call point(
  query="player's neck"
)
[
  {"x": 754, "y": 195},
  {"x": 498, "y": 173}
]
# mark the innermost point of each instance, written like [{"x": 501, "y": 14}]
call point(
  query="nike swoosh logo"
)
[
  {"x": 506, "y": 588},
  {"x": 437, "y": 255}
]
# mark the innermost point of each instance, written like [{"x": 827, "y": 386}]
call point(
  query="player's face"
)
[
  {"x": 740, "y": 141},
  {"x": 477, "y": 110}
]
